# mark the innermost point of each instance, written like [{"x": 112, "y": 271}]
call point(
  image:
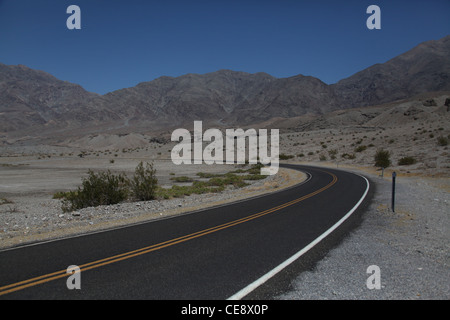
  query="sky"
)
[{"x": 123, "y": 43}]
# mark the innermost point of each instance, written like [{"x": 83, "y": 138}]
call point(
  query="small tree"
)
[
  {"x": 144, "y": 182},
  {"x": 382, "y": 158}
]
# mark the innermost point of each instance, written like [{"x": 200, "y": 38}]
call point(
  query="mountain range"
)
[{"x": 35, "y": 103}]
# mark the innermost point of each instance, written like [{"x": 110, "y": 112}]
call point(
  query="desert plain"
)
[{"x": 417, "y": 128}]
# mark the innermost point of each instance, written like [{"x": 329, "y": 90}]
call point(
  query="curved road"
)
[{"x": 210, "y": 254}]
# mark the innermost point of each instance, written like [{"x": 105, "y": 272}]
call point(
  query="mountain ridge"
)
[{"x": 34, "y": 101}]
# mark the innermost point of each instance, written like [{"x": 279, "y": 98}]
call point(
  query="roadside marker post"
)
[{"x": 394, "y": 175}]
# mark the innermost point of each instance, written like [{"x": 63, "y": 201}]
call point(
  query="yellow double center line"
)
[{"x": 99, "y": 263}]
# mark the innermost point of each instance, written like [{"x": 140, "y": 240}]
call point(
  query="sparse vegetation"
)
[
  {"x": 182, "y": 179},
  {"x": 348, "y": 156},
  {"x": 285, "y": 156},
  {"x": 103, "y": 188},
  {"x": 406, "y": 161},
  {"x": 382, "y": 158},
  {"x": 216, "y": 182},
  {"x": 332, "y": 154},
  {"x": 144, "y": 182},
  {"x": 442, "y": 141},
  {"x": 106, "y": 188},
  {"x": 5, "y": 201}
]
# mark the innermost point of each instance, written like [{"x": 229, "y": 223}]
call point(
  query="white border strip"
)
[{"x": 245, "y": 291}]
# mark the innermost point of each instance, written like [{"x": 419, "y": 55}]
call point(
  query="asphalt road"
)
[{"x": 208, "y": 254}]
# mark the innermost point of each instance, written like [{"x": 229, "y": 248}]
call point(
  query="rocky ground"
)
[{"x": 411, "y": 247}]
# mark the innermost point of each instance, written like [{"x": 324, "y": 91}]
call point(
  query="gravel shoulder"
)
[{"x": 410, "y": 246}]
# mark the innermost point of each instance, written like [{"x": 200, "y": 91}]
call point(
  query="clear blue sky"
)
[{"x": 122, "y": 43}]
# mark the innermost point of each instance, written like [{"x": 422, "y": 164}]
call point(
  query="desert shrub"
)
[
  {"x": 181, "y": 179},
  {"x": 144, "y": 182},
  {"x": 215, "y": 183},
  {"x": 360, "y": 148},
  {"x": 332, "y": 152},
  {"x": 208, "y": 175},
  {"x": 382, "y": 158},
  {"x": 348, "y": 156},
  {"x": 236, "y": 181},
  {"x": 406, "y": 161},
  {"x": 283, "y": 156},
  {"x": 5, "y": 201},
  {"x": 103, "y": 188},
  {"x": 60, "y": 195},
  {"x": 256, "y": 168},
  {"x": 442, "y": 141}
]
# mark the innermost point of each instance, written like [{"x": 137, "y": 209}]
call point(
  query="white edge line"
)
[{"x": 245, "y": 291}]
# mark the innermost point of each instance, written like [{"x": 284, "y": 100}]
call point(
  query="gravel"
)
[{"x": 410, "y": 247}]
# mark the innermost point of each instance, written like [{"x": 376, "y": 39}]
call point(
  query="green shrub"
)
[
  {"x": 5, "y": 201},
  {"x": 382, "y": 158},
  {"x": 332, "y": 154},
  {"x": 442, "y": 141},
  {"x": 60, "y": 195},
  {"x": 348, "y": 156},
  {"x": 406, "y": 161},
  {"x": 256, "y": 168},
  {"x": 181, "y": 179},
  {"x": 208, "y": 175},
  {"x": 97, "y": 189},
  {"x": 285, "y": 156},
  {"x": 360, "y": 148},
  {"x": 144, "y": 182}
]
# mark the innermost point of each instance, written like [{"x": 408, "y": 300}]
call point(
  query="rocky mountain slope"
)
[
  {"x": 425, "y": 68},
  {"x": 34, "y": 103},
  {"x": 33, "y": 100}
]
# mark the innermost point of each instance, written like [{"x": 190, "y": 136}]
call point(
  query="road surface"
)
[{"x": 230, "y": 251}]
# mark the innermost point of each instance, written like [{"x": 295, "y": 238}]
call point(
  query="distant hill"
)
[
  {"x": 35, "y": 103},
  {"x": 425, "y": 68}
]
